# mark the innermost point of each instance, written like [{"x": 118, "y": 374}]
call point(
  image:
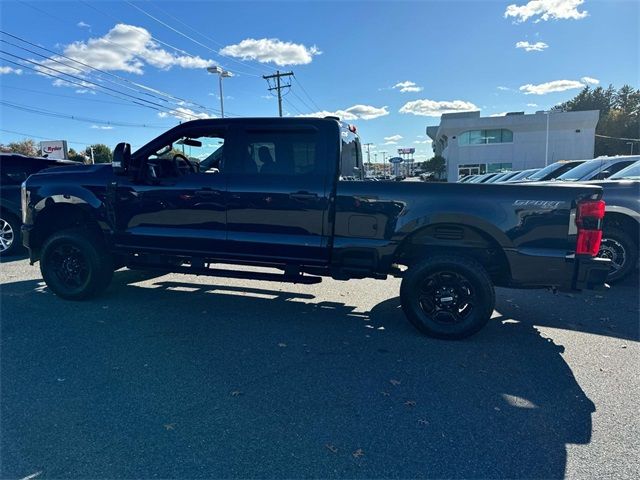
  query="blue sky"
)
[{"x": 347, "y": 57}]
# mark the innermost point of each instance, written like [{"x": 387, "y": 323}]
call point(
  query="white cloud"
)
[
  {"x": 433, "y": 108},
  {"x": 363, "y": 112},
  {"x": 549, "y": 87},
  {"x": 102, "y": 127},
  {"x": 407, "y": 86},
  {"x": 422, "y": 141},
  {"x": 500, "y": 87},
  {"x": 266, "y": 50},
  {"x": 124, "y": 48},
  {"x": 532, "y": 105},
  {"x": 590, "y": 80},
  {"x": 532, "y": 47},
  {"x": 501, "y": 114},
  {"x": 82, "y": 24},
  {"x": 7, "y": 70},
  {"x": 394, "y": 138},
  {"x": 546, "y": 10},
  {"x": 182, "y": 113}
]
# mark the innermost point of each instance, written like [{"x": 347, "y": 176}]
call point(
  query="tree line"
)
[
  {"x": 101, "y": 152},
  {"x": 618, "y": 130}
]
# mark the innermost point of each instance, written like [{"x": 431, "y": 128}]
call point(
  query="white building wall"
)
[{"x": 571, "y": 137}]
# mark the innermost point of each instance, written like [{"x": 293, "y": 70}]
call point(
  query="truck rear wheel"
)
[
  {"x": 447, "y": 297},
  {"x": 75, "y": 264},
  {"x": 619, "y": 247}
]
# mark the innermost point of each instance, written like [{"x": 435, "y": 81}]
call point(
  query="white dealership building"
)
[{"x": 472, "y": 144}]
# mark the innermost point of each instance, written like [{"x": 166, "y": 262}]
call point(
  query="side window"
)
[
  {"x": 203, "y": 152},
  {"x": 16, "y": 171},
  {"x": 618, "y": 166},
  {"x": 290, "y": 153}
]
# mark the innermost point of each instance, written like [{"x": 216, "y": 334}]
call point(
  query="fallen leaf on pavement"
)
[
  {"x": 236, "y": 393},
  {"x": 331, "y": 448},
  {"x": 393, "y": 381},
  {"x": 358, "y": 453},
  {"x": 385, "y": 394},
  {"x": 169, "y": 426},
  {"x": 282, "y": 345},
  {"x": 410, "y": 403},
  {"x": 423, "y": 421}
]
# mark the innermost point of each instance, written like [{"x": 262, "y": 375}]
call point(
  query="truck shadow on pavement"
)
[{"x": 178, "y": 379}]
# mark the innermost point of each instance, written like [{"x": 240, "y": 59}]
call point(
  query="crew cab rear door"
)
[{"x": 278, "y": 194}]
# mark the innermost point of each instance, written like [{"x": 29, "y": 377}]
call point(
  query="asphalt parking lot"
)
[{"x": 191, "y": 377}]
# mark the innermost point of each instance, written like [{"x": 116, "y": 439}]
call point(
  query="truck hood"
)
[{"x": 76, "y": 169}]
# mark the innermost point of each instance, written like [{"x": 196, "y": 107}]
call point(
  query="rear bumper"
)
[
  {"x": 541, "y": 269},
  {"x": 590, "y": 274}
]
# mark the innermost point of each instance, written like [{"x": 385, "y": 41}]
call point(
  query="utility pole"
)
[
  {"x": 368, "y": 145},
  {"x": 279, "y": 85},
  {"x": 384, "y": 162}
]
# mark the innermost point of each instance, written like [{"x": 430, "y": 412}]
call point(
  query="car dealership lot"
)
[{"x": 186, "y": 376}]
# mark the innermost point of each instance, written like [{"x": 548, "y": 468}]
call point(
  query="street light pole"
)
[
  {"x": 546, "y": 148},
  {"x": 221, "y": 73},
  {"x": 630, "y": 143}
]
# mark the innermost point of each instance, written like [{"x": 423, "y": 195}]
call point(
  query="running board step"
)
[{"x": 242, "y": 274}]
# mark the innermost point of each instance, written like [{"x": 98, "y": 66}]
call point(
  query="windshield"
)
[
  {"x": 582, "y": 171},
  {"x": 557, "y": 169},
  {"x": 632, "y": 172}
]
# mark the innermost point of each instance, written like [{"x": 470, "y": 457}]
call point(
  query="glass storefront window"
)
[{"x": 484, "y": 137}]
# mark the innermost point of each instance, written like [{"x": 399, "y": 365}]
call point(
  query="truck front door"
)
[
  {"x": 278, "y": 195},
  {"x": 178, "y": 204}
]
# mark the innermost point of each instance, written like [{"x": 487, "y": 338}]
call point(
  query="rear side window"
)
[
  {"x": 619, "y": 166},
  {"x": 350, "y": 156},
  {"x": 290, "y": 153}
]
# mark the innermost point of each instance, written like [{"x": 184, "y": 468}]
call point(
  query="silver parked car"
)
[{"x": 599, "y": 168}]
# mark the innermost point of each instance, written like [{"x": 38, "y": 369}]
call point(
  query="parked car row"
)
[
  {"x": 14, "y": 169},
  {"x": 620, "y": 179}
]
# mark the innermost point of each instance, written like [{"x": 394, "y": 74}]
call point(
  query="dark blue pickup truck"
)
[{"x": 268, "y": 192}]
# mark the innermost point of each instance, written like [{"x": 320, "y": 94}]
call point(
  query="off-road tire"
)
[
  {"x": 84, "y": 247},
  {"x": 630, "y": 247},
  {"x": 467, "y": 277}
]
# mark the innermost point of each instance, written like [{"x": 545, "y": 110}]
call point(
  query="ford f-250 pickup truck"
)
[{"x": 267, "y": 192}]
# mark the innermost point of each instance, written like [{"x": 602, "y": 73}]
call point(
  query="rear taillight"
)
[{"x": 589, "y": 218}]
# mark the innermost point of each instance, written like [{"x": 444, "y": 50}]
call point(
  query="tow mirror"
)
[{"x": 121, "y": 158}]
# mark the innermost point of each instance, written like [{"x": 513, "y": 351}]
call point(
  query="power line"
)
[
  {"x": 310, "y": 109},
  {"x": 72, "y": 97},
  {"x": 292, "y": 105},
  {"x": 49, "y": 113},
  {"x": 176, "y": 19},
  {"x": 144, "y": 12},
  {"x": 41, "y": 138},
  {"x": 122, "y": 79},
  {"x": 65, "y": 20},
  {"x": 83, "y": 83},
  {"x": 305, "y": 92}
]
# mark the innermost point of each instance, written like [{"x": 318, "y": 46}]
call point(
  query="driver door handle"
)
[
  {"x": 206, "y": 192},
  {"x": 303, "y": 195}
]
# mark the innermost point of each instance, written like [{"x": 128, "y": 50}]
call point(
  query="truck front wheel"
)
[
  {"x": 447, "y": 297},
  {"x": 75, "y": 264}
]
